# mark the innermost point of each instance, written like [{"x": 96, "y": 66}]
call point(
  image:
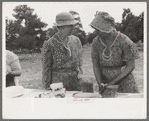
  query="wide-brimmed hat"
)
[
  {"x": 103, "y": 22},
  {"x": 65, "y": 18}
]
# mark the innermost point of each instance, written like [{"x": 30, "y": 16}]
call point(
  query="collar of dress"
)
[{"x": 59, "y": 38}]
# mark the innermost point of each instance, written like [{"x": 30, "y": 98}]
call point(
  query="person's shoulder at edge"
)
[{"x": 11, "y": 54}]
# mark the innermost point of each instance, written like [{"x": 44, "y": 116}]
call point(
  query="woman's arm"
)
[
  {"x": 46, "y": 65},
  {"x": 15, "y": 73},
  {"x": 96, "y": 61},
  {"x": 130, "y": 65},
  {"x": 97, "y": 73},
  {"x": 80, "y": 56},
  {"x": 130, "y": 53}
]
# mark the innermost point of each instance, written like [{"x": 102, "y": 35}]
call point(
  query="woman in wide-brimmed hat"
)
[
  {"x": 113, "y": 55},
  {"x": 62, "y": 55}
]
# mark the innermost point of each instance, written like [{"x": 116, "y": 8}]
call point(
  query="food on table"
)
[
  {"x": 60, "y": 93},
  {"x": 45, "y": 95},
  {"x": 57, "y": 92},
  {"x": 56, "y": 86}
]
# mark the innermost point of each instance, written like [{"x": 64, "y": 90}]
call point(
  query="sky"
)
[{"x": 47, "y": 11}]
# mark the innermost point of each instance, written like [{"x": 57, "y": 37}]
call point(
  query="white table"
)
[{"x": 31, "y": 93}]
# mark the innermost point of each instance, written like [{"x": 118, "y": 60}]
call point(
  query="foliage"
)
[
  {"x": 12, "y": 33},
  {"x": 78, "y": 30},
  {"x": 27, "y": 26},
  {"x": 131, "y": 25}
]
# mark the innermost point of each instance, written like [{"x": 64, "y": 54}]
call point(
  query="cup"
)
[{"x": 87, "y": 87}]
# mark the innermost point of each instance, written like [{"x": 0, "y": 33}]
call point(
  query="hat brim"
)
[
  {"x": 66, "y": 23},
  {"x": 101, "y": 25},
  {"x": 94, "y": 27}
]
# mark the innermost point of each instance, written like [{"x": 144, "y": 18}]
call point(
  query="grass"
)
[{"x": 32, "y": 70}]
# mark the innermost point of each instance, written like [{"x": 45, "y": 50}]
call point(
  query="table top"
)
[{"x": 31, "y": 93}]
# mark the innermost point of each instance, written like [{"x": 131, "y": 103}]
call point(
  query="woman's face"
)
[{"x": 68, "y": 30}]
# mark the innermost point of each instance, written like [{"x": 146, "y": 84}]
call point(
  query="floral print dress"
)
[
  {"x": 123, "y": 50},
  {"x": 62, "y": 63}
]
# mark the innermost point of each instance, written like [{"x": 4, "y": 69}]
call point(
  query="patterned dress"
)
[
  {"x": 62, "y": 63},
  {"x": 123, "y": 50}
]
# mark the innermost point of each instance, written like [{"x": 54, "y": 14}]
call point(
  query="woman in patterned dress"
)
[
  {"x": 113, "y": 55},
  {"x": 62, "y": 55}
]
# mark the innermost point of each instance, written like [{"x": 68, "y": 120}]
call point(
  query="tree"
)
[
  {"x": 118, "y": 26},
  {"x": 141, "y": 25},
  {"x": 131, "y": 25},
  {"x": 12, "y": 33},
  {"x": 126, "y": 17},
  {"x": 31, "y": 33},
  {"x": 78, "y": 30},
  {"x": 134, "y": 28}
]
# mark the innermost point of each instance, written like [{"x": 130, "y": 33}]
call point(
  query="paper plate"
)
[
  {"x": 113, "y": 86},
  {"x": 13, "y": 91},
  {"x": 87, "y": 95}
]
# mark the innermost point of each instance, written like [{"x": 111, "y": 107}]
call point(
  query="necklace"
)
[{"x": 105, "y": 57}]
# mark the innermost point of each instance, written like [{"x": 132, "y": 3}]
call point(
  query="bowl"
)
[
  {"x": 13, "y": 91},
  {"x": 110, "y": 91}
]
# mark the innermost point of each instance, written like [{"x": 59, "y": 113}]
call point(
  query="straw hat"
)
[
  {"x": 65, "y": 18},
  {"x": 103, "y": 22}
]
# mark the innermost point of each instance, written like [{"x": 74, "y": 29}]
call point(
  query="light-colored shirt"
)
[{"x": 12, "y": 61}]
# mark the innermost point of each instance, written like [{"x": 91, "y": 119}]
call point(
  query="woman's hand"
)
[{"x": 102, "y": 88}]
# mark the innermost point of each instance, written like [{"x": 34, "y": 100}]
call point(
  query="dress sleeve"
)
[
  {"x": 94, "y": 52},
  {"x": 130, "y": 51},
  {"x": 46, "y": 65}
]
